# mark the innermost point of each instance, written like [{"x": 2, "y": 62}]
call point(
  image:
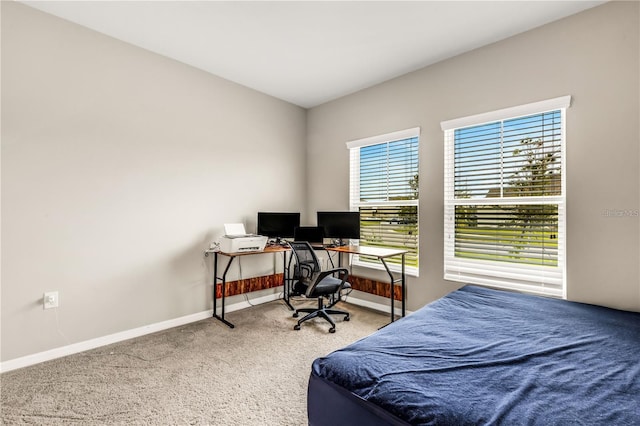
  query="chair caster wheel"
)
[
  {"x": 347, "y": 318},
  {"x": 295, "y": 315},
  {"x": 296, "y": 327},
  {"x": 332, "y": 330}
]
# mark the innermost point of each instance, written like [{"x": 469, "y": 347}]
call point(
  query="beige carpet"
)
[{"x": 203, "y": 373}]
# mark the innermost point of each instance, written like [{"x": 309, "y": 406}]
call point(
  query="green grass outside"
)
[{"x": 517, "y": 244}]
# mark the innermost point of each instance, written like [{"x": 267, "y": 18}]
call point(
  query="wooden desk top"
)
[
  {"x": 267, "y": 249},
  {"x": 378, "y": 252}
]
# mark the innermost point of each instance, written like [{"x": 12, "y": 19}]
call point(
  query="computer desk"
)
[
  {"x": 381, "y": 254},
  {"x": 223, "y": 278}
]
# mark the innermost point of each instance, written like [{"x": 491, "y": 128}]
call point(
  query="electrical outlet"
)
[{"x": 51, "y": 300}]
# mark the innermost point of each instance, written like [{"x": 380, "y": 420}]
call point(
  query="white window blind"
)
[
  {"x": 505, "y": 198},
  {"x": 384, "y": 189}
]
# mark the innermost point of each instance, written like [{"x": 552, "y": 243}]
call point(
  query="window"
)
[
  {"x": 384, "y": 189},
  {"x": 504, "y": 200}
]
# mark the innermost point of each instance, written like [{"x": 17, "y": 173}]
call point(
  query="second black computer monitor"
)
[{"x": 343, "y": 225}]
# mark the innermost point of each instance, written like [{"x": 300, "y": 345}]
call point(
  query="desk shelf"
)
[
  {"x": 247, "y": 285},
  {"x": 221, "y": 286},
  {"x": 381, "y": 254},
  {"x": 375, "y": 287}
]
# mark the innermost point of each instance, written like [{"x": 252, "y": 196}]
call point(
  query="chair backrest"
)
[{"x": 307, "y": 263}]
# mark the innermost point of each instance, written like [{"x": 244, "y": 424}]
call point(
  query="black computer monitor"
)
[
  {"x": 278, "y": 225},
  {"x": 341, "y": 225},
  {"x": 311, "y": 234}
]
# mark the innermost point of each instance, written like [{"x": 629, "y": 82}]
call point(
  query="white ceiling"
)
[{"x": 308, "y": 53}]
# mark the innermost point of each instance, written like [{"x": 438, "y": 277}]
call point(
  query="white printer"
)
[{"x": 236, "y": 240}]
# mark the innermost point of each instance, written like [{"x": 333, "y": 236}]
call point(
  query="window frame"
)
[
  {"x": 354, "y": 192},
  {"x": 550, "y": 280}
]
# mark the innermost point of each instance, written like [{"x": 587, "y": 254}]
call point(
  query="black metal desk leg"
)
[
  {"x": 215, "y": 281},
  {"x": 286, "y": 285},
  {"x": 402, "y": 288},
  {"x": 222, "y": 289},
  {"x": 392, "y": 284}
]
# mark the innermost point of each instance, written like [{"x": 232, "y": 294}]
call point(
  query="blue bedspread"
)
[{"x": 481, "y": 356}]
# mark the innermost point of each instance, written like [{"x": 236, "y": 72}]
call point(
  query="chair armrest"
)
[{"x": 327, "y": 272}]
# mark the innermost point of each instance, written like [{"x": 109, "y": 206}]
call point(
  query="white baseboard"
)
[
  {"x": 75, "y": 348},
  {"x": 246, "y": 303},
  {"x": 386, "y": 307}
]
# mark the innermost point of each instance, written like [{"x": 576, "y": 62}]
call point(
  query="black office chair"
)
[
  {"x": 314, "y": 235},
  {"x": 311, "y": 281}
]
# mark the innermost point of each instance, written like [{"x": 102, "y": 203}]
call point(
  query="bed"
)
[{"x": 481, "y": 356}]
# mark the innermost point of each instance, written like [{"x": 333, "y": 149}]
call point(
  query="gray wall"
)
[
  {"x": 119, "y": 167},
  {"x": 592, "y": 56}
]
